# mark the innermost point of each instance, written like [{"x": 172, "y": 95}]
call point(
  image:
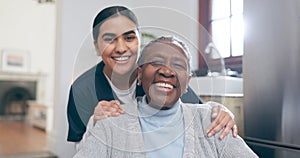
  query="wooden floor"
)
[{"x": 18, "y": 137}]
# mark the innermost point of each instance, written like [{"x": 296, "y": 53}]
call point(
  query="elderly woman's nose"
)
[{"x": 166, "y": 71}]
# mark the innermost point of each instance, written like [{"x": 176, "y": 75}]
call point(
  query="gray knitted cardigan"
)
[{"x": 121, "y": 137}]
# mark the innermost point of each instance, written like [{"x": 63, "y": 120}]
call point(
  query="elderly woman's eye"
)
[
  {"x": 156, "y": 63},
  {"x": 179, "y": 66}
]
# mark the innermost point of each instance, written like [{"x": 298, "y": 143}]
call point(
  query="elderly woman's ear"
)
[{"x": 186, "y": 88}]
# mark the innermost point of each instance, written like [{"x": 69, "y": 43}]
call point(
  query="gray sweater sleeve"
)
[
  {"x": 231, "y": 147},
  {"x": 228, "y": 147},
  {"x": 95, "y": 145},
  {"x": 114, "y": 137}
]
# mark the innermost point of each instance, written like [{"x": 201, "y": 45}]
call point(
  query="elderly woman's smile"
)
[{"x": 164, "y": 73}]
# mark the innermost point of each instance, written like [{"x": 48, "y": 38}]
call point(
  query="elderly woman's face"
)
[{"x": 164, "y": 74}]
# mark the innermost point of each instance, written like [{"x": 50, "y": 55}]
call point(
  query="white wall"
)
[
  {"x": 28, "y": 26},
  {"x": 74, "y": 20}
]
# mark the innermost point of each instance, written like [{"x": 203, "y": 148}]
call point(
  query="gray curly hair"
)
[{"x": 172, "y": 39}]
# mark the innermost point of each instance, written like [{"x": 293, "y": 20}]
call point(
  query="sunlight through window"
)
[{"x": 228, "y": 27}]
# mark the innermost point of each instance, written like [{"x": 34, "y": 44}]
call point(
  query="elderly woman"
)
[
  {"x": 97, "y": 93},
  {"x": 161, "y": 125}
]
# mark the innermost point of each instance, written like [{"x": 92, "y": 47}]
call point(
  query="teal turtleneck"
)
[{"x": 163, "y": 130}]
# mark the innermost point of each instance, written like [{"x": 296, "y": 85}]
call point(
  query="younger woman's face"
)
[
  {"x": 164, "y": 74},
  {"x": 118, "y": 44}
]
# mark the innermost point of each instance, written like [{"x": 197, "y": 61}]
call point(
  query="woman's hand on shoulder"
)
[
  {"x": 223, "y": 119},
  {"x": 106, "y": 109}
]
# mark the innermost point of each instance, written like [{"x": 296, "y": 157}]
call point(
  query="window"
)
[
  {"x": 227, "y": 27},
  {"x": 224, "y": 21}
]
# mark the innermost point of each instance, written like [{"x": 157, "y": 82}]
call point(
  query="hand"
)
[
  {"x": 222, "y": 118},
  {"x": 106, "y": 109}
]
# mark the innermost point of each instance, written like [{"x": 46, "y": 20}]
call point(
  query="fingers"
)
[
  {"x": 216, "y": 125},
  {"x": 106, "y": 109},
  {"x": 215, "y": 111},
  {"x": 112, "y": 108},
  {"x": 219, "y": 123},
  {"x": 228, "y": 127},
  {"x": 235, "y": 131}
]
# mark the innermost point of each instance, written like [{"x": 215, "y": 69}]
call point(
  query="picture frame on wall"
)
[{"x": 15, "y": 61}]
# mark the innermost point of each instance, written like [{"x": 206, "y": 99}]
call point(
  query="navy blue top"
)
[{"x": 90, "y": 88}]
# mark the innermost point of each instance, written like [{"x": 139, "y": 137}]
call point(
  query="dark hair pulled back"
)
[{"x": 110, "y": 12}]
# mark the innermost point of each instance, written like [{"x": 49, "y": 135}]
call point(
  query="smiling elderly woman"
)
[{"x": 161, "y": 125}]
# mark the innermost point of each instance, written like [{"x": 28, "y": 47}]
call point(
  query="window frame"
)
[{"x": 205, "y": 10}]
